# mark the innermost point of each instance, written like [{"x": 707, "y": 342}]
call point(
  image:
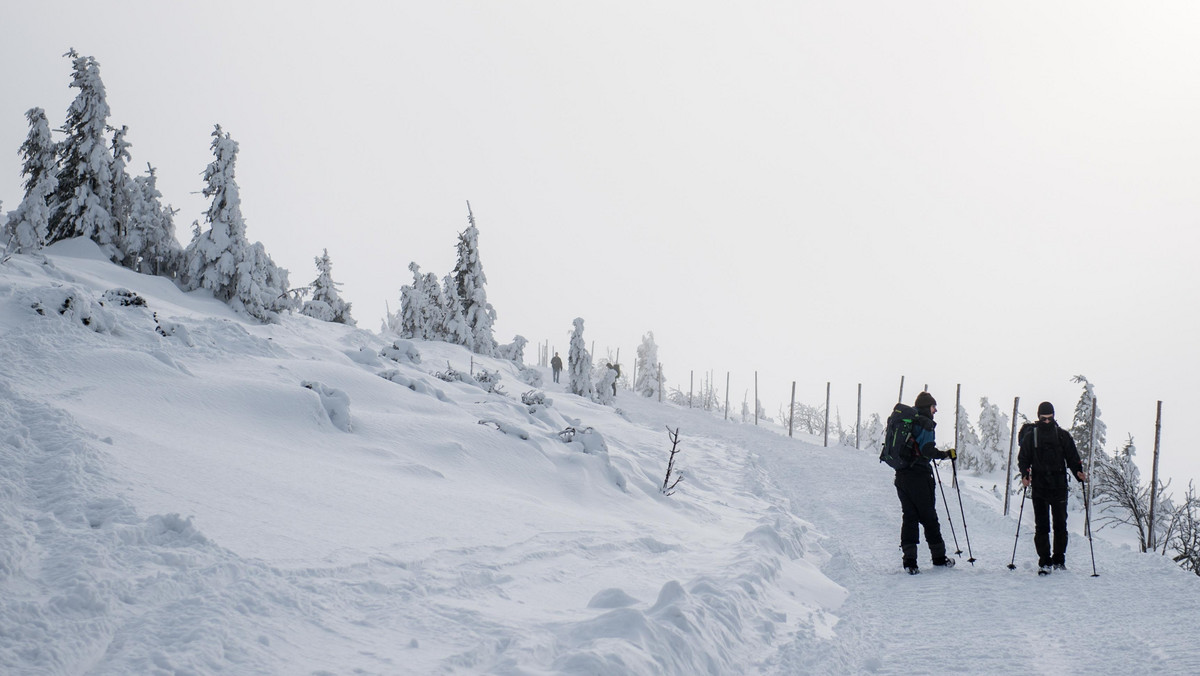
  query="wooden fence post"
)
[
  {"x": 1150, "y": 544},
  {"x": 957, "y": 404},
  {"x": 756, "y": 398},
  {"x": 727, "y": 395},
  {"x": 1012, "y": 443},
  {"x": 1087, "y": 490},
  {"x": 901, "y": 397},
  {"x": 691, "y": 386},
  {"x": 858, "y": 420},
  {"x": 792, "y": 410},
  {"x": 826, "y": 414}
]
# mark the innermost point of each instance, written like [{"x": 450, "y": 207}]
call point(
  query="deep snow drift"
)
[{"x": 186, "y": 492}]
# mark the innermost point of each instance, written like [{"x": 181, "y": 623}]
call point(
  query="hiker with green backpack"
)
[{"x": 909, "y": 449}]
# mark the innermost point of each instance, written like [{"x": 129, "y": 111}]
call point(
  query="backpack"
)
[{"x": 898, "y": 438}]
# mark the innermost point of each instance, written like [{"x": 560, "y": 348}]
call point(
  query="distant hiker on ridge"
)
[
  {"x": 915, "y": 484},
  {"x": 556, "y": 365},
  {"x": 1047, "y": 450}
]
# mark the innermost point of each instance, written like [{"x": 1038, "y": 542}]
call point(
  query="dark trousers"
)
[
  {"x": 556, "y": 372},
  {"x": 1043, "y": 509},
  {"x": 918, "y": 502}
]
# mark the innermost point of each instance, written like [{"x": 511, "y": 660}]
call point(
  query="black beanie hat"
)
[
  {"x": 1045, "y": 408},
  {"x": 925, "y": 400}
]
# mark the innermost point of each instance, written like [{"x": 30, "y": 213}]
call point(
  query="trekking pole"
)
[
  {"x": 966, "y": 534},
  {"x": 1087, "y": 515},
  {"x": 958, "y": 550},
  {"x": 1012, "y": 565}
]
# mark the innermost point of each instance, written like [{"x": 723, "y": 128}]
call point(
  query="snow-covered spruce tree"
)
[
  {"x": 994, "y": 436},
  {"x": 969, "y": 454},
  {"x": 123, "y": 197},
  {"x": 150, "y": 236},
  {"x": 81, "y": 206},
  {"x": 27, "y": 227},
  {"x": 1081, "y": 424},
  {"x": 871, "y": 433},
  {"x": 221, "y": 259},
  {"x": 514, "y": 351},
  {"x": 579, "y": 364},
  {"x": 412, "y": 312},
  {"x": 454, "y": 325},
  {"x": 469, "y": 284},
  {"x": 262, "y": 286},
  {"x": 435, "y": 305},
  {"x": 326, "y": 304},
  {"x": 647, "y": 367}
]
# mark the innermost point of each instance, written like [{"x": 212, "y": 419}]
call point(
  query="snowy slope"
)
[{"x": 184, "y": 492}]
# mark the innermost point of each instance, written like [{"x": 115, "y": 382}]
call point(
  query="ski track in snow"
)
[{"x": 221, "y": 497}]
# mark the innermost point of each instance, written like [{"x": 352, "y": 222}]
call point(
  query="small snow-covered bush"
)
[
  {"x": 122, "y": 297},
  {"x": 534, "y": 398},
  {"x": 402, "y": 351},
  {"x": 72, "y": 304},
  {"x": 529, "y": 376},
  {"x": 335, "y": 402},
  {"x": 489, "y": 381}
]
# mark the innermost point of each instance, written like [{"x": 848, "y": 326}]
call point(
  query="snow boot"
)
[
  {"x": 1059, "y": 566},
  {"x": 945, "y": 561},
  {"x": 1044, "y": 569},
  {"x": 910, "y": 567}
]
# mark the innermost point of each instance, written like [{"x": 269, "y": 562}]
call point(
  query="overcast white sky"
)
[{"x": 995, "y": 194}]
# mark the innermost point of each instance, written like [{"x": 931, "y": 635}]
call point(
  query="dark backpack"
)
[{"x": 898, "y": 438}]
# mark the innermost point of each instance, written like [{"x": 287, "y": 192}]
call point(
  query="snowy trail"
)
[{"x": 982, "y": 618}]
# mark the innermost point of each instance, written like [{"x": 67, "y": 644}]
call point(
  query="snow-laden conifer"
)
[
  {"x": 27, "y": 227},
  {"x": 221, "y": 259},
  {"x": 123, "y": 198},
  {"x": 514, "y": 351},
  {"x": 82, "y": 203},
  {"x": 454, "y": 324},
  {"x": 1081, "y": 423},
  {"x": 150, "y": 235},
  {"x": 579, "y": 364},
  {"x": 469, "y": 283},
  {"x": 326, "y": 303},
  {"x": 420, "y": 306},
  {"x": 647, "y": 367}
]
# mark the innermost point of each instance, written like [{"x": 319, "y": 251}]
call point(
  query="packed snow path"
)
[{"x": 1137, "y": 617}]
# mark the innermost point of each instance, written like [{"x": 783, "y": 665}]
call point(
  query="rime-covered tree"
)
[
  {"x": 469, "y": 284},
  {"x": 81, "y": 206},
  {"x": 123, "y": 197},
  {"x": 262, "y": 286},
  {"x": 647, "y": 383},
  {"x": 413, "y": 313},
  {"x": 514, "y": 351},
  {"x": 579, "y": 364},
  {"x": 1121, "y": 498},
  {"x": 1081, "y": 424},
  {"x": 994, "y": 435},
  {"x": 221, "y": 259},
  {"x": 27, "y": 227},
  {"x": 150, "y": 235},
  {"x": 454, "y": 324},
  {"x": 326, "y": 303},
  {"x": 968, "y": 441}
]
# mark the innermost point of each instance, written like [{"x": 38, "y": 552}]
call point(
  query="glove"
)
[{"x": 952, "y": 454}]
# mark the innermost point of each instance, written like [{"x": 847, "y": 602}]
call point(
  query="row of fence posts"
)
[{"x": 544, "y": 360}]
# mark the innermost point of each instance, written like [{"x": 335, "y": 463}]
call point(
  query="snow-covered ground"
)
[{"x": 186, "y": 492}]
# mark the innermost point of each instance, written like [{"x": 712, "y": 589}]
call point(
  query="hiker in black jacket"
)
[
  {"x": 1047, "y": 451},
  {"x": 915, "y": 487}
]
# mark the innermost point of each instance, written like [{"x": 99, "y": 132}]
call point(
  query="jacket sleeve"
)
[
  {"x": 925, "y": 444},
  {"x": 1025, "y": 455},
  {"x": 1070, "y": 453}
]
